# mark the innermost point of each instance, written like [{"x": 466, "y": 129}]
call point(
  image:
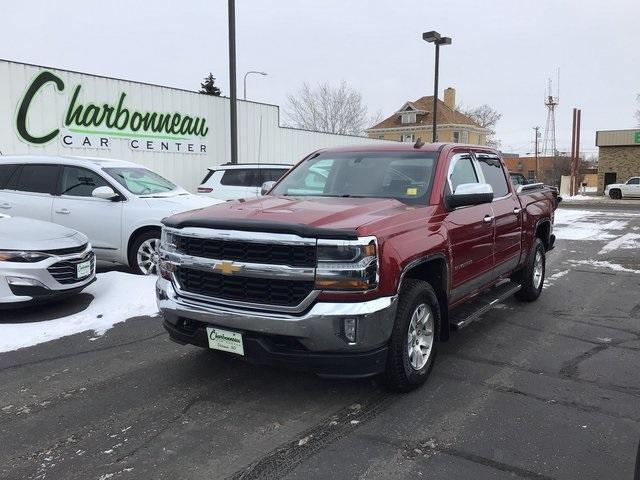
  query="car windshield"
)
[
  {"x": 141, "y": 181},
  {"x": 405, "y": 176}
]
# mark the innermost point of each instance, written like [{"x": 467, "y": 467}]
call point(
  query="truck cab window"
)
[
  {"x": 463, "y": 172},
  {"x": 494, "y": 175}
]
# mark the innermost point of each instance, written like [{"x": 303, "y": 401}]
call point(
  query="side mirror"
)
[
  {"x": 105, "y": 193},
  {"x": 470, "y": 194},
  {"x": 266, "y": 186}
]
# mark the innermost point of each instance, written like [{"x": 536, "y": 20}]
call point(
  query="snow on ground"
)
[
  {"x": 117, "y": 297},
  {"x": 625, "y": 242},
  {"x": 586, "y": 225},
  {"x": 603, "y": 264}
]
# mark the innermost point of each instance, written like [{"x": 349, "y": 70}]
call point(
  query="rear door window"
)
[
  {"x": 5, "y": 174},
  {"x": 494, "y": 175},
  {"x": 241, "y": 177},
  {"x": 36, "y": 179}
]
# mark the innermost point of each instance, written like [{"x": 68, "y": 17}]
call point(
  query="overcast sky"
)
[{"x": 502, "y": 53}]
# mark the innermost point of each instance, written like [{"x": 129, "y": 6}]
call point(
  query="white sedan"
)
[{"x": 119, "y": 205}]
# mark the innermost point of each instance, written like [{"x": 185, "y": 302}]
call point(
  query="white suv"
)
[
  {"x": 230, "y": 182},
  {"x": 119, "y": 205},
  {"x": 623, "y": 190}
]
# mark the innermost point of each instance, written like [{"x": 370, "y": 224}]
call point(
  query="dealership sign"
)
[{"x": 88, "y": 125}]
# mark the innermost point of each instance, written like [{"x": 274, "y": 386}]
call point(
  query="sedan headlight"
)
[
  {"x": 347, "y": 265},
  {"x": 22, "y": 257}
]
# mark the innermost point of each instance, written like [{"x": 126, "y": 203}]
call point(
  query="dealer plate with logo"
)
[
  {"x": 225, "y": 340},
  {"x": 83, "y": 269}
]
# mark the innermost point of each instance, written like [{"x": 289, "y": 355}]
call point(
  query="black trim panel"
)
[{"x": 261, "y": 226}]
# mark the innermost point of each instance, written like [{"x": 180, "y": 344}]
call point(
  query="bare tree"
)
[
  {"x": 486, "y": 117},
  {"x": 327, "y": 108}
]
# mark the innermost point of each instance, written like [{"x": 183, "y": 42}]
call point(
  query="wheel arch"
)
[
  {"x": 139, "y": 230},
  {"x": 433, "y": 269},
  {"x": 543, "y": 231}
]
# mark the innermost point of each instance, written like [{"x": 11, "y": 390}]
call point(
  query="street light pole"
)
[
  {"x": 435, "y": 38},
  {"x": 244, "y": 97},
  {"x": 232, "y": 82}
]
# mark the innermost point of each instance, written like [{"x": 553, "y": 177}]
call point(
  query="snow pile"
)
[
  {"x": 117, "y": 297},
  {"x": 585, "y": 225},
  {"x": 625, "y": 242},
  {"x": 603, "y": 264}
]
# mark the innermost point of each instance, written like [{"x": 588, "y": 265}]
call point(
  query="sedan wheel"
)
[{"x": 148, "y": 255}]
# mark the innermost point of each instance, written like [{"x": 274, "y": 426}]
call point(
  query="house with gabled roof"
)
[{"x": 414, "y": 120}]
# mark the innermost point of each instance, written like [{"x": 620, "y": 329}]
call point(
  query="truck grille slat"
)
[
  {"x": 272, "y": 292},
  {"x": 251, "y": 252}
]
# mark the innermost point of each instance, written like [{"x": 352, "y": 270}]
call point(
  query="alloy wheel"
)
[
  {"x": 148, "y": 256},
  {"x": 420, "y": 336}
]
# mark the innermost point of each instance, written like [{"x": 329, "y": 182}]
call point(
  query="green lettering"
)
[{"x": 21, "y": 119}]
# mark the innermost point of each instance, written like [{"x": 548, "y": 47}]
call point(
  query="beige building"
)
[
  {"x": 414, "y": 120},
  {"x": 618, "y": 156}
]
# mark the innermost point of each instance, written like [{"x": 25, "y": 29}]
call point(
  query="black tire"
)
[
  {"x": 400, "y": 375},
  {"x": 135, "y": 246},
  {"x": 615, "y": 194},
  {"x": 530, "y": 290}
]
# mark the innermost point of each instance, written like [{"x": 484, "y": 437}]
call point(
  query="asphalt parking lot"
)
[{"x": 547, "y": 390}]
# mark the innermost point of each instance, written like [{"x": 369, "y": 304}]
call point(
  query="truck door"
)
[
  {"x": 470, "y": 232},
  {"x": 507, "y": 216}
]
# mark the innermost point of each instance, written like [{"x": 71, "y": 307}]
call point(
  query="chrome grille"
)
[{"x": 65, "y": 272}]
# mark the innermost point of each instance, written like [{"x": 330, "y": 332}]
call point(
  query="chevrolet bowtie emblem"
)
[{"x": 227, "y": 268}]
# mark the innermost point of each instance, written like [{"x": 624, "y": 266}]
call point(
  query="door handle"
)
[
  {"x": 5, "y": 205},
  {"x": 517, "y": 210},
  {"x": 64, "y": 211},
  {"x": 488, "y": 219}
]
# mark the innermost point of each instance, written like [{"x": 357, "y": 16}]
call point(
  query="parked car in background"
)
[
  {"x": 41, "y": 260},
  {"x": 233, "y": 181},
  {"x": 118, "y": 205},
  {"x": 630, "y": 189},
  {"x": 359, "y": 261}
]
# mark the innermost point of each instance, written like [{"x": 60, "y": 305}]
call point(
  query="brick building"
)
[
  {"x": 550, "y": 169},
  {"x": 618, "y": 157},
  {"x": 414, "y": 120}
]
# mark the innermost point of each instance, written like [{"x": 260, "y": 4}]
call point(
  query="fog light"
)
[
  {"x": 24, "y": 282},
  {"x": 349, "y": 328}
]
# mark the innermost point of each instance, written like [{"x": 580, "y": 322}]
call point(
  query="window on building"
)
[
  {"x": 408, "y": 117},
  {"x": 456, "y": 137},
  {"x": 381, "y": 137},
  {"x": 494, "y": 175},
  {"x": 465, "y": 137},
  {"x": 531, "y": 174},
  {"x": 407, "y": 137}
]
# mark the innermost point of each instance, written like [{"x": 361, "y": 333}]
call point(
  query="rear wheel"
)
[
  {"x": 144, "y": 254},
  {"x": 615, "y": 194},
  {"x": 531, "y": 277},
  {"x": 414, "y": 340}
]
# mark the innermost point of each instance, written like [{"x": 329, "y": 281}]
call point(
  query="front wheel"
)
[
  {"x": 531, "y": 277},
  {"x": 414, "y": 339},
  {"x": 615, "y": 194},
  {"x": 144, "y": 254}
]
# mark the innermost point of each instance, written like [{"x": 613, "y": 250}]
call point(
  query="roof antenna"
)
[{"x": 419, "y": 143}]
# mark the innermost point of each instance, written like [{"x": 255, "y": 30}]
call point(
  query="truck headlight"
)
[
  {"x": 347, "y": 265},
  {"x": 22, "y": 257},
  {"x": 167, "y": 241}
]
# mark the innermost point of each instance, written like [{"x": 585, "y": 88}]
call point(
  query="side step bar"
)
[{"x": 471, "y": 310}]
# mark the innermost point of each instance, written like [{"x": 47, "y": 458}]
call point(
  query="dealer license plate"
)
[
  {"x": 83, "y": 269},
  {"x": 225, "y": 340}
]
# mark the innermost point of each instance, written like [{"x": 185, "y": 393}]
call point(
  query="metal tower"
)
[{"x": 549, "y": 142}]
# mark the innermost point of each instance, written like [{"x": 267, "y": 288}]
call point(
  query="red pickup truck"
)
[{"x": 358, "y": 262}]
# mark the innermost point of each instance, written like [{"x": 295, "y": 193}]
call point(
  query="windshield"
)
[
  {"x": 405, "y": 176},
  {"x": 141, "y": 181}
]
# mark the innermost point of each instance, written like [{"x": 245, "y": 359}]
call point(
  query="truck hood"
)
[
  {"x": 17, "y": 233},
  {"x": 326, "y": 213}
]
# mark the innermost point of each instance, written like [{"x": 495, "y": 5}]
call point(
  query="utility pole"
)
[
  {"x": 537, "y": 135},
  {"x": 232, "y": 81},
  {"x": 575, "y": 151}
]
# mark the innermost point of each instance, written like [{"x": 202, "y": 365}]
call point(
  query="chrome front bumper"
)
[{"x": 319, "y": 329}]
